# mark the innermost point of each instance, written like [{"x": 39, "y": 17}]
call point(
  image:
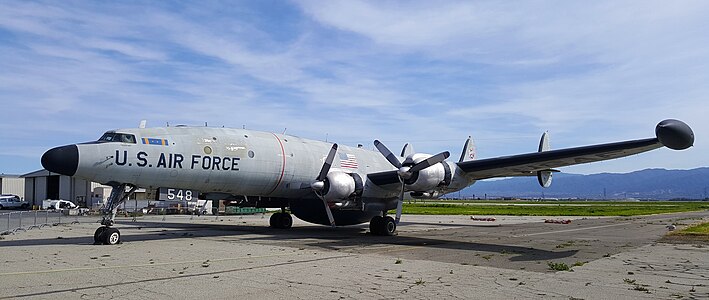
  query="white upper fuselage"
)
[{"x": 234, "y": 161}]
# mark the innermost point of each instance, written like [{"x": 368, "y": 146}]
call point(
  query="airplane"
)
[{"x": 319, "y": 182}]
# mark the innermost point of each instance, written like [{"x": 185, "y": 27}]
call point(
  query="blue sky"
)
[{"x": 429, "y": 72}]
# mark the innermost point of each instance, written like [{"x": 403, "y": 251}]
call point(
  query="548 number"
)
[
  {"x": 179, "y": 194},
  {"x": 173, "y": 194}
]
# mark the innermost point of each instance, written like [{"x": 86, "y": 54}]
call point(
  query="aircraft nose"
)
[{"x": 63, "y": 160}]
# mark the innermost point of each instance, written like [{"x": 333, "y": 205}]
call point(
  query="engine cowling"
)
[
  {"x": 428, "y": 178},
  {"x": 341, "y": 186}
]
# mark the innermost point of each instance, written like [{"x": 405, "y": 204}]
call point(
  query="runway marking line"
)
[
  {"x": 570, "y": 230},
  {"x": 145, "y": 265}
]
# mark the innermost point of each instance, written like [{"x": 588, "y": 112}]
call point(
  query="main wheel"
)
[
  {"x": 274, "y": 220},
  {"x": 375, "y": 226},
  {"x": 286, "y": 221},
  {"x": 388, "y": 226},
  {"x": 98, "y": 239},
  {"x": 111, "y": 236}
]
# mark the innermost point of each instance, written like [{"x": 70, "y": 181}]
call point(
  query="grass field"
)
[
  {"x": 698, "y": 229},
  {"x": 552, "y": 208},
  {"x": 694, "y": 234}
]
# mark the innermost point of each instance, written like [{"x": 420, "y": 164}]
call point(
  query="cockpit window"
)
[{"x": 117, "y": 137}]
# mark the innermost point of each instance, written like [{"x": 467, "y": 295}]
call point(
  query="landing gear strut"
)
[
  {"x": 281, "y": 220},
  {"x": 385, "y": 225},
  {"x": 107, "y": 235}
]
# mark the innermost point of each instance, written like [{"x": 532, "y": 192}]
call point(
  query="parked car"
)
[{"x": 12, "y": 201}]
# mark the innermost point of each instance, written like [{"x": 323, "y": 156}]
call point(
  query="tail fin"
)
[
  {"x": 544, "y": 176},
  {"x": 544, "y": 144},
  {"x": 469, "y": 152},
  {"x": 407, "y": 150}
]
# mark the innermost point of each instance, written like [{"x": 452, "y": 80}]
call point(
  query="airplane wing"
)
[
  {"x": 670, "y": 133},
  {"x": 528, "y": 164}
]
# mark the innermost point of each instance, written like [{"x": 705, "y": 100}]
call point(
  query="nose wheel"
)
[{"x": 107, "y": 236}]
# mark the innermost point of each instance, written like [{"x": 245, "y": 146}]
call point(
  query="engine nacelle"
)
[
  {"x": 341, "y": 186},
  {"x": 428, "y": 178}
]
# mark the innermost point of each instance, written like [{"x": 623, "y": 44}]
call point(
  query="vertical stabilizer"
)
[
  {"x": 544, "y": 142},
  {"x": 469, "y": 152},
  {"x": 407, "y": 150},
  {"x": 143, "y": 123},
  {"x": 544, "y": 177}
]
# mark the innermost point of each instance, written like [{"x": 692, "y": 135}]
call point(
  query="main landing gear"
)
[
  {"x": 107, "y": 235},
  {"x": 382, "y": 225},
  {"x": 281, "y": 220}
]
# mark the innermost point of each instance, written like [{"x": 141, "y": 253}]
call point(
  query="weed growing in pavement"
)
[
  {"x": 564, "y": 245},
  {"x": 579, "y": 263},
  {"x": 558, "y": 266}
]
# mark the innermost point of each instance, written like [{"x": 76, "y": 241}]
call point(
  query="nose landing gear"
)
[{"x": 107, "y": 235}]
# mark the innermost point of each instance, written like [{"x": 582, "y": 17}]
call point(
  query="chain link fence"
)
[{"x": 11, "y": 222}]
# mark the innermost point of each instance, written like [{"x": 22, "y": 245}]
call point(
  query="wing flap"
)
[{"x": 528, "y": 164}]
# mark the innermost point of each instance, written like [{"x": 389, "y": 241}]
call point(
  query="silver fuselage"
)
[{"x": 232, "y": 161}]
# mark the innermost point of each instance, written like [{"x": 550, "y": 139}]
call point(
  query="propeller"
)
[
  {"x": 405, "y": 172},
  {"x": 319, "y": 183}
]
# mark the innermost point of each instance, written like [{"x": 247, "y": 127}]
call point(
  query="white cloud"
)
[{"x": 397, "y": 71}]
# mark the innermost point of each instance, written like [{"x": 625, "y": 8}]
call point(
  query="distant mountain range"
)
[{"x": 657, "y": 184}]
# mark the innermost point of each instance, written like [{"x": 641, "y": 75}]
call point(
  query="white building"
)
[
  {"x": 42, "y": 185},
  {"x": 12, "y": 184}
]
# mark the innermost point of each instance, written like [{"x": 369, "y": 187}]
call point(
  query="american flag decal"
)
[{"x": 348, "y": 161}]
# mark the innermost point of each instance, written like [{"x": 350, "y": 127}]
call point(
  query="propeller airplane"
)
[{"x": 347, "y": 186}]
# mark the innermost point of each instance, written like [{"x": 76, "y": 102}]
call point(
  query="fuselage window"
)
[{"x": 127, "y": 138}]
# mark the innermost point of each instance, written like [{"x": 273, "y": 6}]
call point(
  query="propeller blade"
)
[
  {"x": 430, "y": 161},
  {"x": 400, "y": 205},
  {"x": 389, "y": 156},
  {"x": 328, "y": 211},
  {"x": 328, "y": 163}
]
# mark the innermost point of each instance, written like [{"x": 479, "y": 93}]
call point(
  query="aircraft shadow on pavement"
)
[{"x": 326, "y": 238}]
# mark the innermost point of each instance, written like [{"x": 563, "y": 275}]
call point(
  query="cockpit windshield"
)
[{"x": 117, "y": 137}]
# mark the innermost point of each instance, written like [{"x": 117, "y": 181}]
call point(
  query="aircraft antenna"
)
[{"x": 284, "y": 130}]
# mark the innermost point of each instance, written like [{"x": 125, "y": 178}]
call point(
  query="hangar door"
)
[{"x": 53, "y": 187}]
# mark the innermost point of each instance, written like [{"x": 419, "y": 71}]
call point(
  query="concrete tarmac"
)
[{"x": 431, "y": 257}]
